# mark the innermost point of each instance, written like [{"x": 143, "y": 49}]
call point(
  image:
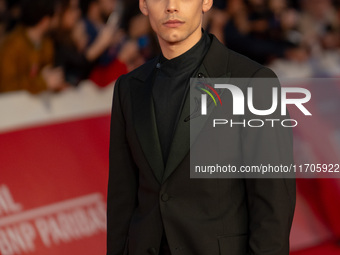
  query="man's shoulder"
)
[
  {"x": 141, "y": 72},
  {"x": 243, "y": 66},
  {"x": 136, "y": 77},
  {"x": 237, "y": 65}
]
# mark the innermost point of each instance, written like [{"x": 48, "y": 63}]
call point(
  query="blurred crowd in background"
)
[{"x": 56, "y": 44}]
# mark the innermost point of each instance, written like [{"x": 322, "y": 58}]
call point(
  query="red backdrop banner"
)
[{"x": 53, "y": 188}]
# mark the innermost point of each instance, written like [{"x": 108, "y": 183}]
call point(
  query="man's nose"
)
[{"x": 172, "y": 6}]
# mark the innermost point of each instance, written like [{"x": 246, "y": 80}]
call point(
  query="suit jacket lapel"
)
[
  {"x": 145, "y": 121},
  {"x": 214, "y": 65}
]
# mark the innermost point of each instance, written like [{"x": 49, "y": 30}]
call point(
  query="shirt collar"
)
[{"x": 186, "y": 62}]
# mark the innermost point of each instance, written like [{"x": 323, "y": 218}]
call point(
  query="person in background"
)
[
  {"x": 143, "y": 44},
  {"x": 217, "y": 18},
  {"x": 318, "y": 20},
  {"x": 248, "y": 31},
  {"x": 3, "y": 20},
  {"x": 104, "y": 40},
  {"x": 26, "y": 54},
  {"x": 140, "y": 46},
  {"x": 69, "y": 44},
  {"x": 13, "y": 14}
]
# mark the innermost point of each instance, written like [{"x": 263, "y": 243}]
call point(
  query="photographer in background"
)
[{"x": 103, "y": 40}]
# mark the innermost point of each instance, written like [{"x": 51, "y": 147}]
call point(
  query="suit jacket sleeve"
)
[
  {"x": 122, "y": 184},
  {"x": 271, "y": 201}
]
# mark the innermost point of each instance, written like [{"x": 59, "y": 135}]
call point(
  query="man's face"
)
[{"x": 175, "y": 20}]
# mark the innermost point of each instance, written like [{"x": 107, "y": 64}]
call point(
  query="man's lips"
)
[{"x": 173, "y": 23}]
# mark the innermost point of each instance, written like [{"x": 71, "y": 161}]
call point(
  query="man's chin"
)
[{"x": 173, "y": 38}]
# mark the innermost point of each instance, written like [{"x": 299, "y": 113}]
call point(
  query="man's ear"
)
[
  {"x": 207, "y": 4},
  {"x": 143, "y": 7}
]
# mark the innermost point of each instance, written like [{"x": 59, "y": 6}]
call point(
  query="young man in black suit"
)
[{"x": 153, "y": 206}]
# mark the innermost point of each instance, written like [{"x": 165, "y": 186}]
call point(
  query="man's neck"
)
[{"x": 172, "y": 50}]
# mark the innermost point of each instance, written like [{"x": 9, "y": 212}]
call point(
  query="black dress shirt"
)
[
  {"x": 170, "y": 82},
  {"x": 171, "y": 79}
]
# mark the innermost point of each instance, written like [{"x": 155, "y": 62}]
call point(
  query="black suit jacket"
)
[{"x": 200, "y": 216}]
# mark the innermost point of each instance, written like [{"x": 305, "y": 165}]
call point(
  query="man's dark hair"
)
[{"x": 33, "y": 11}]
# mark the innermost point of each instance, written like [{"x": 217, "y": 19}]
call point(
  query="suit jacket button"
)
[
  {"x": 200, "y": 75},
  {"x": 152, "y": 251},
  {"x": 165, "y": 197}
]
